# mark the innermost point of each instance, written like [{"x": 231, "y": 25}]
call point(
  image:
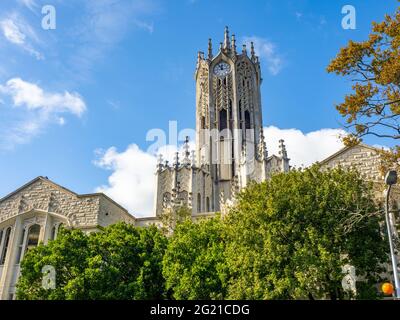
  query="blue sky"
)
[{"x": 112, "y": 70}]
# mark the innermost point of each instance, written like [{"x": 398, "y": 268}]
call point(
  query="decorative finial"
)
[
  {"x": 210, "y": 54},
  {"x": 186, "y": 152},
  {"x": 159, "y": 161},
  {"x": 227, "y": 45},
  {"x": 176, "y": 159},
  {"x": 262, "y": 149},
  {"x": 282, "y": 149},
  {"x": 244, "y": 50},
  {"x": 220, "y": 46},
  {"x": 233, "y": 44},
  {"x": 253, "y": 54}
]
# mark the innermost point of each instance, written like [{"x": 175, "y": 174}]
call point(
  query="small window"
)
[
  {"x": 223, "y": 123},
  {"x": 53, "y": 232},
  {"x": 247, "y": 119},
  {"x": 203, "y": 122},
  {"x": 6, "y": 243},
  {"x": 208, "y": 204},
  {"x": 198, "y": 202}
]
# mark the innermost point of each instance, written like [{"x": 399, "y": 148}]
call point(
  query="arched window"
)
[
  {"x": 32, "y": 239},
  {"x": 6, "y": 243},
  {"x": 247, "y": 119},
  {"x": 208, "y": 204},
  {"x": 198, "y": 202},
  {"x": 53, "y": 232},
  {"x": 223, "y": 123}
]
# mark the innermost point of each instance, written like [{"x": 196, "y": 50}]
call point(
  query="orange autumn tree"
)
[{"x": 373, "y": 107}]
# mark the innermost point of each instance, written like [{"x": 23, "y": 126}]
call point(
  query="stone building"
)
[
  {"x": 34, "y": 213},
  {"x": 230, "y": 145},
  {"x": 230, "y": 152},
  {"x": 366, "y": 159}
]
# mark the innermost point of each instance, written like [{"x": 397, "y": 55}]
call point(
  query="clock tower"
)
[
  {"x": 229, "y": 135},
  {"x": 230, "y": 145}
]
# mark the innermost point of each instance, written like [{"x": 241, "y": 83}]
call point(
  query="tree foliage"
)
[
  {"x": 119, "y": 262},
  {"x": 373, "y": 108},
  {"x": 289, "y": 237},
  {"x": 285, "y": 238},
  {"x": 194, "y": 261}
]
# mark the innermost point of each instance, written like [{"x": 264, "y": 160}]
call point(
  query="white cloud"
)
[
  {"x": 33, "y": 109},
  {"x": 31, "y": 4},
  {"x": 267, "y": 51},
  {"x": 31, "y": 96},
  {"x": 132, "y": 181},
  {"x": 304, "y": 148},
  {"x": 20, "y": 33}
]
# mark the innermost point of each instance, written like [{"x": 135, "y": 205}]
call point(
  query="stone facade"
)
[
  {"x": 366, "y": 160},
  {"x": 362, "y": 157},
  {"x": 34, "y": 213},
  {"x": 230, "y": 145}
]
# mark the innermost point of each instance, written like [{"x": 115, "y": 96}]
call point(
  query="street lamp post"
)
[{"x": 391, "y": 179}]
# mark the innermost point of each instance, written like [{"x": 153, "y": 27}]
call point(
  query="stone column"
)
[
  {"x": 48, "y": 226},
  {"x": 9, "y": 266}
]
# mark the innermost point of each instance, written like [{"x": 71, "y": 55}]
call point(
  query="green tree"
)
[
  {"x": 288, "y": 238},
  {"x": 194, "y": 262},
  {"x": 119, "y": 262},
  {"x": 173, "y": 216},
  {"x": 373, "y": 65}
]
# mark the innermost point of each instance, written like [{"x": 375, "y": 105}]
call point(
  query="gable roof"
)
[
  {"x": 345, "y": 149},
  {"x": 47, "y": 180}
]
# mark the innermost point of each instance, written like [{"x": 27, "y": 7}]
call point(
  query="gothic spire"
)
[
  {"x": 253, "y": 54},
  {"x": 210, "y": 54},
  {"x": 282, "y": 149},
  {"x": 233, "y": 44},
  {"x": 244, "y": 50},
  {"x": 227, "y": 45},
  {"x": 160, "y": 162},
  {"x": 186, "y": 152},
  {"x": 262, "y": 148},
  {"x": 176, "y": 160}
]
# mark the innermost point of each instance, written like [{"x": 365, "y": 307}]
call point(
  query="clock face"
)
[{"x": 222, "y": 69}]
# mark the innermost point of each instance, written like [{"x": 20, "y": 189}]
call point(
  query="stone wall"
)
[
  {"x": 86, "y": 211},
  {"x": 364, "y": 158}
]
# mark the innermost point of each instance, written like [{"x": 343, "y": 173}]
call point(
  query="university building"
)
[{"x": 230, "y": 152}]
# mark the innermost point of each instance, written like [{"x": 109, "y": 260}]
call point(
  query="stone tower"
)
[{"x": 230, "y": 145}]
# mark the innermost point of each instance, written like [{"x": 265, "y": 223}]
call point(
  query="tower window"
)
[
  {"x": 247, "y": 119},
  {"x": 198, "y": 202},
  {"x": 203, "y": 122},
  {"x": 223, "y": 123}
]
